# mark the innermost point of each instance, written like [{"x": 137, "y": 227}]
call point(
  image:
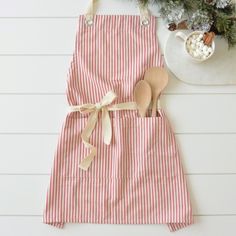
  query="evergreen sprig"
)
[{"x": 224, "y": 19}]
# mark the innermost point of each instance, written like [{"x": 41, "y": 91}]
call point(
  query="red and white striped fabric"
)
[{"x": 138, "y": 178}]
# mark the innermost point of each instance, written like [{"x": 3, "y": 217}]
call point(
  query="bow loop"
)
[{"x": 108, "y": 98}]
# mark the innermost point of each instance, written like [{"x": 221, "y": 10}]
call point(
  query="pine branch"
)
[{"x": 223, "y": 19}]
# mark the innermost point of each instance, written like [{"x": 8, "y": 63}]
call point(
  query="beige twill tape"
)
[{"x": 94, "y": 109}]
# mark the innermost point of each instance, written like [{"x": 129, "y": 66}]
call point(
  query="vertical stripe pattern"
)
[{"x": 138, "y": 178}]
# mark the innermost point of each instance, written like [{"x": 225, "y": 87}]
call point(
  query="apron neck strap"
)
[{"x": 91, "y": 11}]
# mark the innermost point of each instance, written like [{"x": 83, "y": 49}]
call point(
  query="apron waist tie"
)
[{"x": 104, "y": 106}]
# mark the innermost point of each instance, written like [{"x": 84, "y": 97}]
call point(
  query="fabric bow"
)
[{"x": 94, "y": 109}]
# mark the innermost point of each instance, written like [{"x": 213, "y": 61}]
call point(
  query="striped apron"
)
[{"x": 110, "y": 165}]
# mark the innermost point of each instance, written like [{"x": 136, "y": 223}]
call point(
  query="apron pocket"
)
[{"x": 143, "y": 147}]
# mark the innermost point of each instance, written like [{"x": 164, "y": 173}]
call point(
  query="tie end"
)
[
  {"x": 83, "y": 167},
  {"x": 85, "y": 164},
  {"x": 107, "y": 142}
]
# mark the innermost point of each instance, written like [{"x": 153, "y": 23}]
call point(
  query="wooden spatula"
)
[
  {"x": 142, "y": 96},
  {"x": 157, "y": 77}
]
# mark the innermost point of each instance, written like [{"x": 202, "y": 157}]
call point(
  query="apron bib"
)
[{"x": 112, "y": 166}]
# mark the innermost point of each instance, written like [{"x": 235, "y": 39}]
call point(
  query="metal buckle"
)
[
  {"x": 89, "y": 20},
  {"x": 145, "y": 22}
]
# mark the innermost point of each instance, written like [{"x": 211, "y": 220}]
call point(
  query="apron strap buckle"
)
[{"x": 144, "y": 14}]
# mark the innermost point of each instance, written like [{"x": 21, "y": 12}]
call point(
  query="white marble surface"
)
[{"x": 220, "y": 69}]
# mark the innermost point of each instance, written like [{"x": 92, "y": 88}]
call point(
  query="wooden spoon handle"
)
[{"x": 154, "y": 107}]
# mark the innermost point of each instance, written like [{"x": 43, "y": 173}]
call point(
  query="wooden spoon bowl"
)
[
  {"x": 142, "y": 96},
  {"x": 157, "y": 77}
]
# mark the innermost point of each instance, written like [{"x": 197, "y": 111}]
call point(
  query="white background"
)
[{"x": 36, "y": 44}]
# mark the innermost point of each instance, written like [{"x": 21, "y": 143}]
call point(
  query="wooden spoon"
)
[
  {"x": 142, "y": 96},
  {"x": 157, "y": 77}
]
